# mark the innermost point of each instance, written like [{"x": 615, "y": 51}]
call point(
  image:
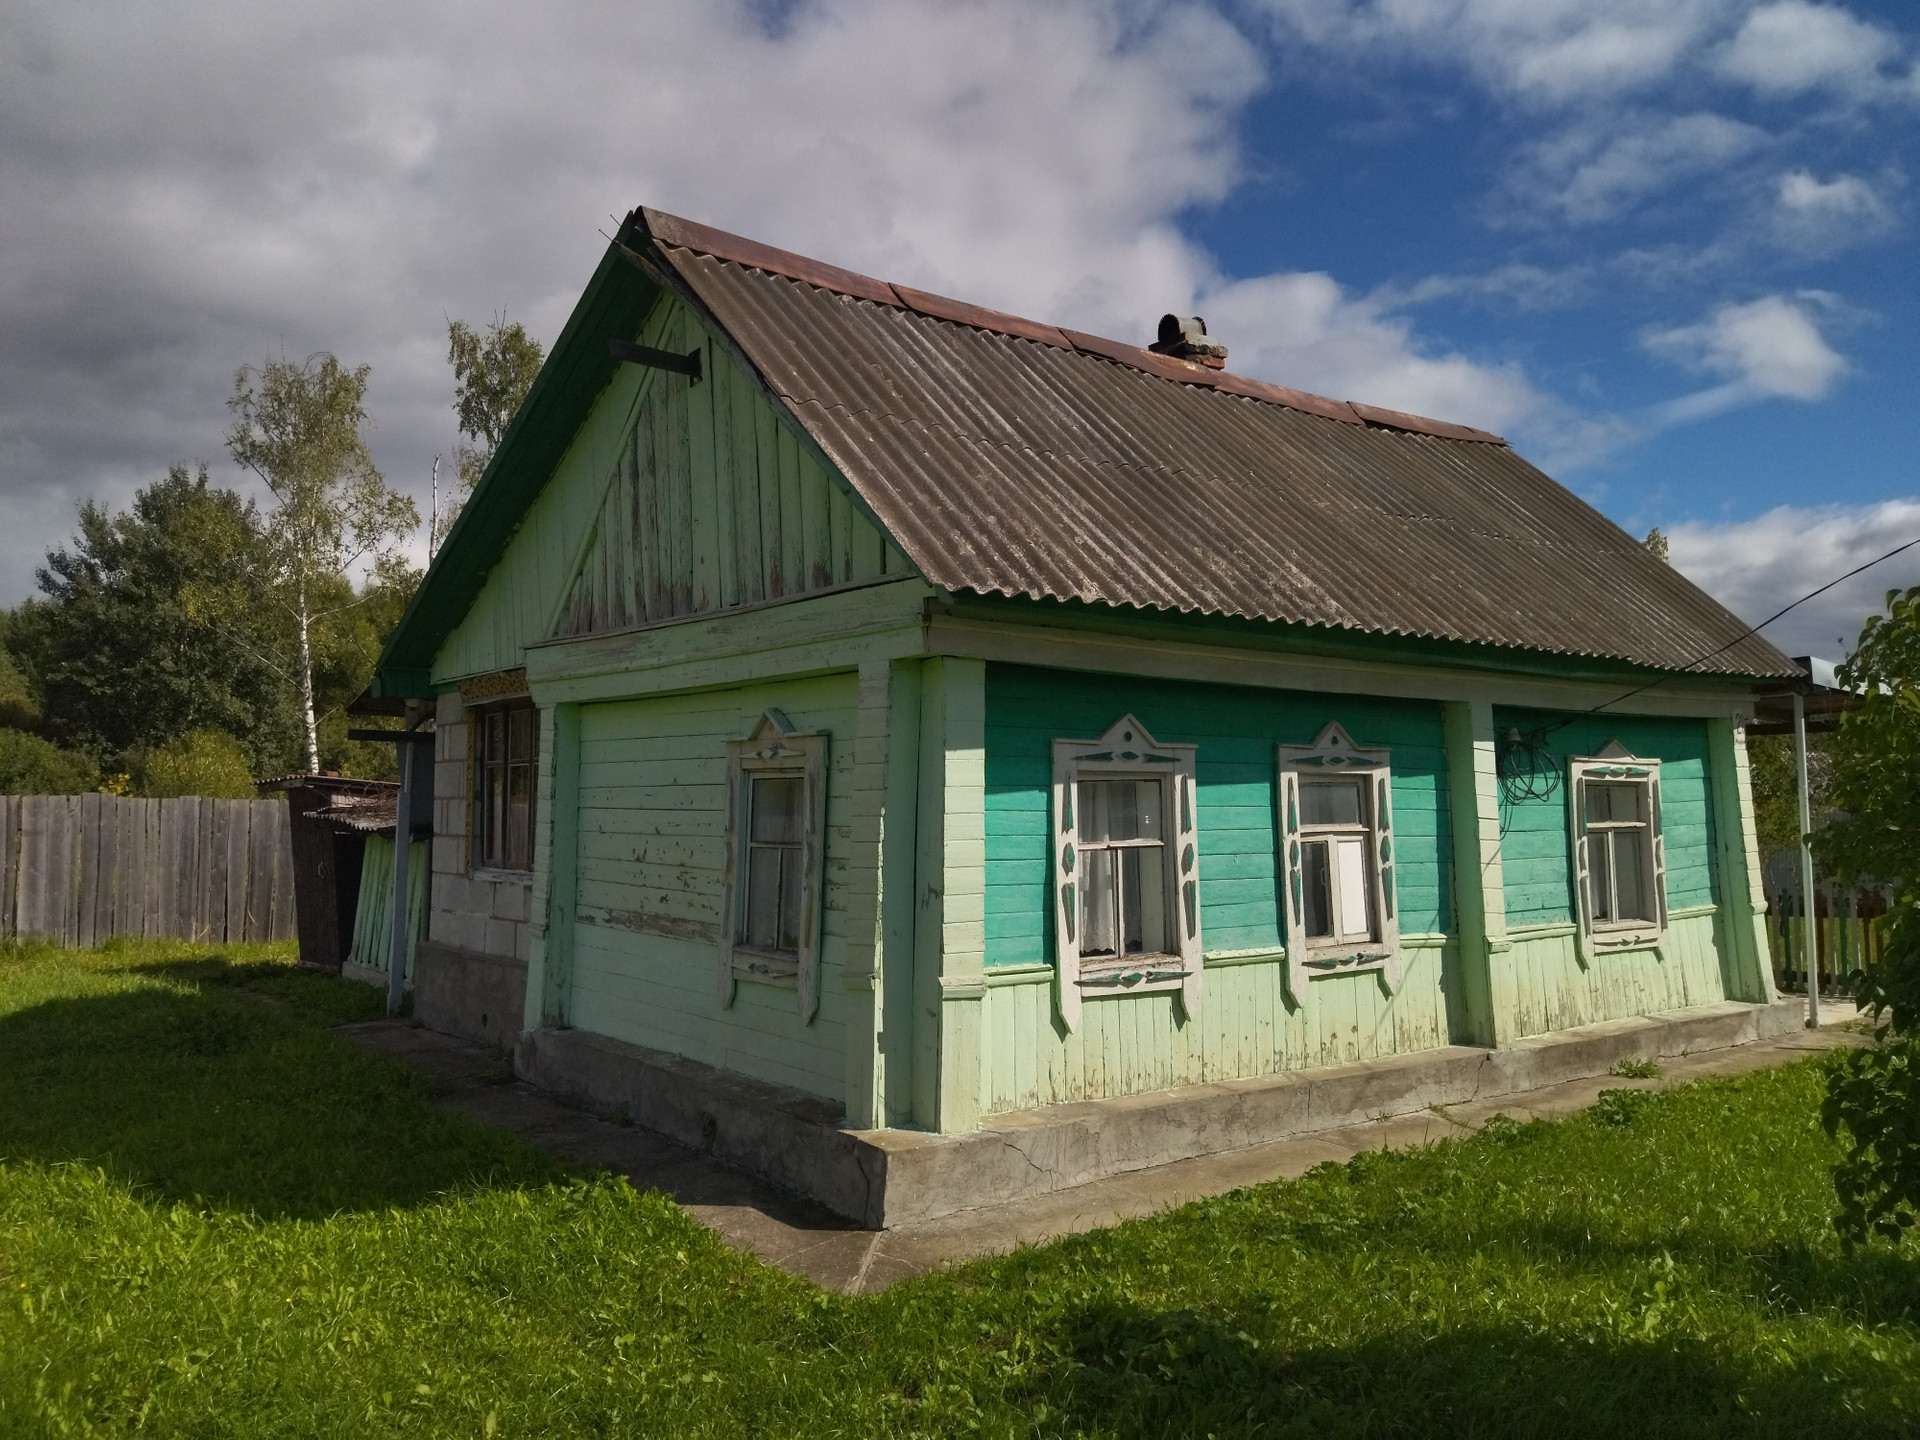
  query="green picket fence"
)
[{"x": 1845, "y": 945}]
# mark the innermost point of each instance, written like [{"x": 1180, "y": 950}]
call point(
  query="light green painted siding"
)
[
  {"x": 714, "y": 503},
  {"x": 1236, "y": 731},
  {"x": 651, "y": 826},
  {"x": 1535, "y": 848},
  {"x": 1543, "y": 986},
  {"x": 373, "y": 917},
  {"x": 674, "y": 499},
  {"x": 1247, "y": 1025}
]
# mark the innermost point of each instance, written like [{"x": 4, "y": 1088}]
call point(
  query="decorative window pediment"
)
[
  {"x": 1336, "y": 844},
  {"x": 1619, "y": 853},
  {"x": 775, "y": 843},
  {"x": 1126, "y": 868}
]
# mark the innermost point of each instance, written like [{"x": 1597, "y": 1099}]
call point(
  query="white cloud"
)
[
  {"x": 1769, "y": 348},
  {"x": 192, "y": 188},
  {"x": 1791, "y": 46},
  {"x": 1547, "y": 52},
  {"x": 1759, "y": 566},
  {"x": 1815, "y": 214},
  {"x": 1597, "y": 171}
]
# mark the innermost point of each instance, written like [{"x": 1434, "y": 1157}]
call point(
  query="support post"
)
[
  {"x": 1809, "y": 939},
  {"x": 1746, "y": 963},
  {"x": 402, "y": 853},
  {"x": 1479, "y": 886}
]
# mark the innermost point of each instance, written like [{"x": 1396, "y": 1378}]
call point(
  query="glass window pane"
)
[
  {"x": 1330, "y": 802},
  {"x": 1612, "y": 800},
  {"x": 496, "y": 811},
  {"x": 763, "y": 897},
  {"x": 1631, "y": 882},
  {"x": 519, "y": 734},
  {"x": 1097, "y": 903},
  {"x": 519, "y": 846},
  {"x": 1600, "y": 874},
  {"x": 776, "y": 809},
  {"x": 1356, "y": 917},
  {"x": 790, "y": 898},
  {"x": 1143, "y": 900},
  {"x": 1319, "y": 889},
  {"x": 496, "y": 737},
  {"x": 1120, "y": 810}
]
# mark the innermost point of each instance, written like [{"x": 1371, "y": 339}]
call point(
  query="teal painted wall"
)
[
  {"x": 1236, "y": 731},
  {"x": 1535, "y": 849}
]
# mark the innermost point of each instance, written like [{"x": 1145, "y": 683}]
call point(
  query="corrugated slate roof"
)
[{"x": 1009, "y": 457}]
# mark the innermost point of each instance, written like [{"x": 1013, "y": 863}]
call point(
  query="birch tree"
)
[{"x": 298, "y": 427}]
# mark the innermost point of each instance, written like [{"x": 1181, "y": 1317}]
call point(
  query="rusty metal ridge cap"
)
[
  {"x": 1422, "y": 425},
  {"x": 691, "y": 235}
]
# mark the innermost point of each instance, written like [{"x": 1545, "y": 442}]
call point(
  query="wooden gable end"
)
[
  {"x": 713, "y": 503},
  {"x": 673, "y": 499}
]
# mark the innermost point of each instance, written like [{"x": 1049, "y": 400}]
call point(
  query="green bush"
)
[
  {"x": 204, "y": 762},
  {"x": 32, "y": 766}
]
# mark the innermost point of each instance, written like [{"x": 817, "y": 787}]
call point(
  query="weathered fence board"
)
[{"x": 80, "y": 868}]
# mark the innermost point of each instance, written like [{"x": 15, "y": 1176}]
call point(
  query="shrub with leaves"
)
[
  {"x": 1873, "y": 1094},
  {"x": 206, "y": 762}
]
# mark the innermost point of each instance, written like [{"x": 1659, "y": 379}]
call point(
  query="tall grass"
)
[{"x": 218, "y": 1219}]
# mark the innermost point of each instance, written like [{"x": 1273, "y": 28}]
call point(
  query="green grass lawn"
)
[{"x": 218, "y": 1219}]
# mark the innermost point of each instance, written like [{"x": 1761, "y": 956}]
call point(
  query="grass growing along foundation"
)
[{"x": 216, "y": 1219}]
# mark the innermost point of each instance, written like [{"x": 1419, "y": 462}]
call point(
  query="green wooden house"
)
[{"x": 892, "y": 715}]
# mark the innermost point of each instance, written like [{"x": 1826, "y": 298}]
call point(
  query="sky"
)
[{"x": 1666, "y": 246}]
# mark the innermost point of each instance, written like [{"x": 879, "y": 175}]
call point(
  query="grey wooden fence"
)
[{"x": 80, "y": 868}]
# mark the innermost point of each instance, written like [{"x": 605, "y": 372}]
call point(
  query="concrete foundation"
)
[
  {"x": 886, "y": 1178},
  {"x": 463, "y": 992}
]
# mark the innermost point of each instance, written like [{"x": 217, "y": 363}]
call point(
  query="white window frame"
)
[
  {"x": 776, "y": 747},
  {"x": 1127, "y": 751},
  {"x": 1616, "y": 764},
  {"x": 1333, "y": 754}
]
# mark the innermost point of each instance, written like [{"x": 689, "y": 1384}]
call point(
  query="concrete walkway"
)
[{"x": 806, "y": 1239}]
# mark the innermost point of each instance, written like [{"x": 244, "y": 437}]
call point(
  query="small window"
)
[
  {"x": 1126, "y": 868},
  {"x": 1336, "y": 823},
  {"x": 775, "y": 839},
  {"x": 506, "y": 742},
  {"x": 1619, "y": 855}
]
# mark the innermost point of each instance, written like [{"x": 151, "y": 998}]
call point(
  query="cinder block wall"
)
[{"x": 484, "y": 912}]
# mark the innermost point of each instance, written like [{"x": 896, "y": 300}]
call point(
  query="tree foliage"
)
[
  {"x": 203, "y": 762},
  {"x": 30, "y": 765},
  {"x": 152, "y": 624},
  {"x": 1776, "y": 788},
  {"x": 492, "y": 371},
  {"x": 298, "y": 427},
  {"x": 1873, "y": 1095}
]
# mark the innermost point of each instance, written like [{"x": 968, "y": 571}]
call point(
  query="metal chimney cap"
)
[{"x": 1185, "y": 338}]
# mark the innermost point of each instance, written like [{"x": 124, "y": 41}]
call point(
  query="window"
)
[
  {"x": 506, "y": 741},
  {"x": 1336, "y": 824},
  {"x": 1619, "y": 856},
  {"x": 1126, "y": 868},
  {"x": 775, "y": 836}
]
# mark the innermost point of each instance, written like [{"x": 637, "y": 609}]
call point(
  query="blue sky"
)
[{"x": 1666, "y": 245}]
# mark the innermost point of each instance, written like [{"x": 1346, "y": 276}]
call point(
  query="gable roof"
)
[{"x": 1005, "y": 456}]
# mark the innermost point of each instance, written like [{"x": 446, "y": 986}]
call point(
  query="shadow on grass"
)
[
  {"x": 1137, "y": 1374},
  {"x": 212, "y": 1097}
]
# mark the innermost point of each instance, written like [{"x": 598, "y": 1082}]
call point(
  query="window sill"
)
[
  {"x": 1343, "y": 961},
  {"x": 1133, "y": 976},
  {"x": 498, "y": 872},
  {"x": 765, "y": 966}
]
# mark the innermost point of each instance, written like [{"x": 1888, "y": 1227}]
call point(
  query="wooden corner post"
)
[
  {"x": 950, "y": 988},
  {"x": 1479, "y": 887},
  {"x": 556, "y": 858},
  {"x": 1747, "y": 966}
]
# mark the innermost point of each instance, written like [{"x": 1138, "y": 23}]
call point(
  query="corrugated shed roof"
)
[{"x": 1009, "y": 457}]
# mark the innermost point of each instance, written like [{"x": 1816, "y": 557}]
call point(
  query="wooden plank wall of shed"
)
[
  {"x": 730, "y": 511},
  {"x": 650, "y": 825}
]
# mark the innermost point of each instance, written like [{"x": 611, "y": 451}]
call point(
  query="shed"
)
[{"x": 884, "y": 739}]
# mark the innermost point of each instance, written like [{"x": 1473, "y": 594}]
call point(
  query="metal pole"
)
[
  {"x": 402, "y": 844},
  {"x": 1809, "y": 945}
]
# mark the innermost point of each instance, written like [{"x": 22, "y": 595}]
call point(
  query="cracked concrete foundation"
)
[{"x": 886, "y": 1178}]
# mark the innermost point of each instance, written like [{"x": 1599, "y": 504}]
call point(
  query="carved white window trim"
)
[
  {"x": 1127, "y": 751},
  {"x": 1333, "y": 753},
  {"x": 1615, "y": 763},
  {"x": 775, "y": 747}
]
